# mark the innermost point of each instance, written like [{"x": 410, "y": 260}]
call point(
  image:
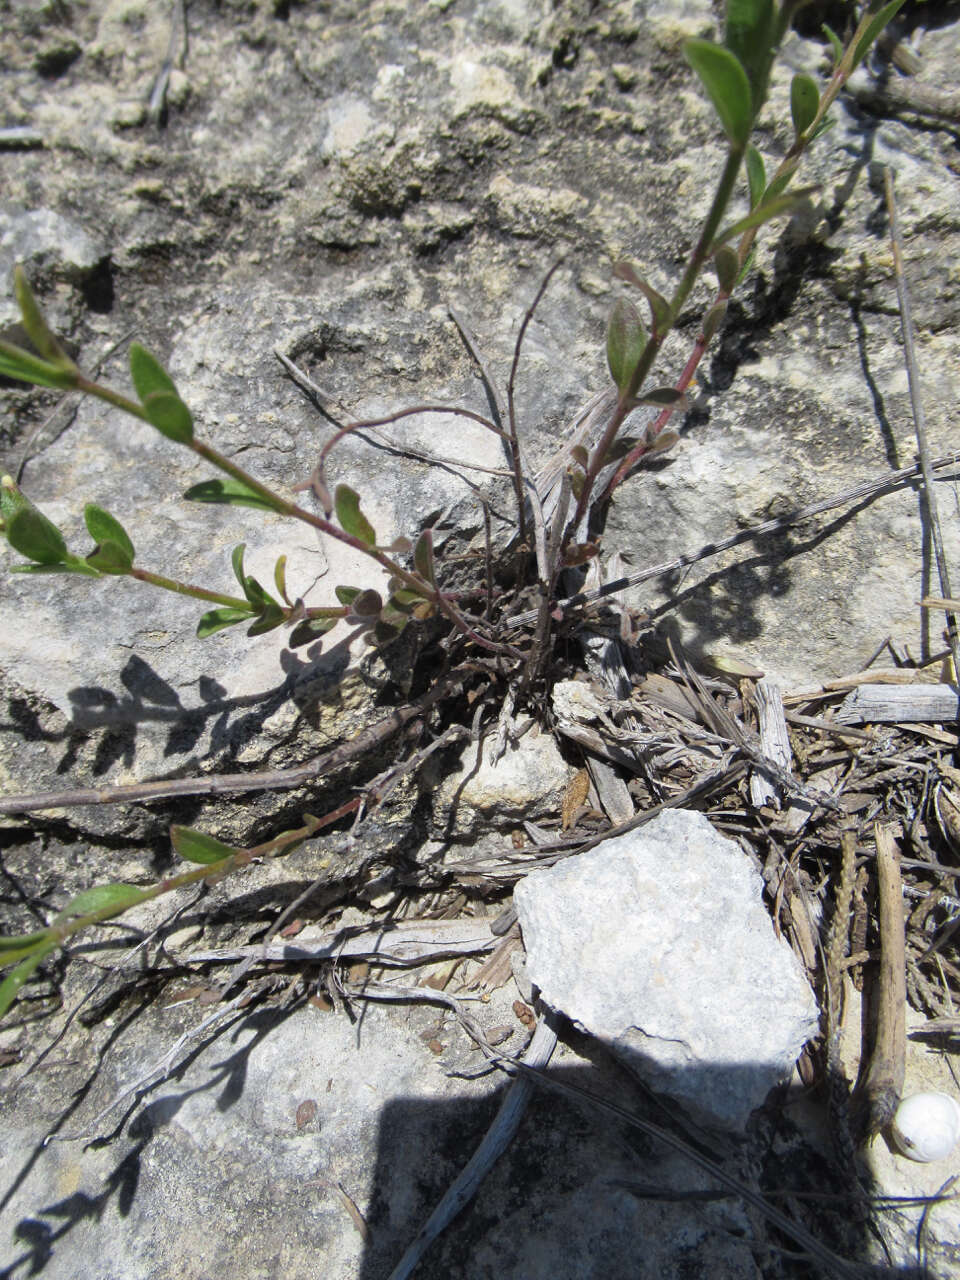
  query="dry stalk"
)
[{"x": 881, "y": 1083}]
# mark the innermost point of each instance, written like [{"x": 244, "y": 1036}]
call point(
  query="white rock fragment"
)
[
  {"x": 658, "y": 943},
  {"x": 528, "y": 781}
]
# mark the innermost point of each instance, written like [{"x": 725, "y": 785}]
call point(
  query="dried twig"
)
[
  {"x": 835, "y": 952},
  {"x": 878, "y": 1091},
  {"x": 411, "y": 943},
  {"x": 899, "y": 704},
  {"x": 356, "y": 1217},
  {"x": 896, "y": 96},
  {"x": 774, "y": 740},
  {"x": 230, "y": 783}
]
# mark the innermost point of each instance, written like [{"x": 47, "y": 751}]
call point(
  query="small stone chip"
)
[
  {"x": 306, "y": 1113},
  {"x": 524, "y": 1013},
  {"x": 578, "y": 788}
]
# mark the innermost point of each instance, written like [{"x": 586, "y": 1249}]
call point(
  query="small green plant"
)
[{"x": 735, "y": 76}]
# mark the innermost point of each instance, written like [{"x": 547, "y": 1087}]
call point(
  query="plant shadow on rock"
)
[
  {"x": 576, "y": 1187},
  {"x": 576, "y": 1190},
  {"x": 149, "y": 1121},
  {"x": 722, "y": 606}
]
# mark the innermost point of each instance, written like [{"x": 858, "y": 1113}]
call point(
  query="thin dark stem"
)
[
  {"x": 463, "y": 625},
  {"x": 286, "y": 508},
  {"x": 488, "y": 563},
  {"x": 919, "y": 421},
  {"x": 370, "y": 423},
  {"x": 625, "y": 404},
  {"x": 185, "y": 589},
  {"x": 490, "y": 382},
  {"x": 511, "y": 406}
]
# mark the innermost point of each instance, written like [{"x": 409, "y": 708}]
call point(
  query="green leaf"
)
[
  {"x": 666, "y": 397},
  {"x": 873, "y": 29},
  {"x": 72, "y": 565},
  {"x": 38, "y": 331},
  {"x": 388, "y": 627},
  {"x": 171, "y": 417},
  {"x": 826, "y": 123},
  {"x": 836, "y": 44},
  {"x": 321, "y": 625},
  {"x": 230, "y": 492},
  {"x": 20, "y": 364},
  {"x": 280, "y": 578},
  {"x": 217, "y": 619},
  {"x": 103, "y": 527},
  {"x": 110, "y": 899},
  {"x": 402, "y": 597},
  {"x": 395, "y": 619},
  {"x": 756, "y": 175},
  {"x": 727, "y": 262},
  {"x": 28, "y": 530},
  {"x": 766, "y": 212},
  {"x": 749, "y": 35},
  {"x": 110, "y": 558},
  {"x": 148, "y": 374},
  {"x": 367, "y": 604},
  {"x": 346, "y": 502},
  {"x": 346, "y": 595},
  {"x": 659, "y": 306},
  {"x": 197, "y": 846},
  {"x": 626, "y": 340},
  {"x": 21, "y": 942},
  {"x": 271, "y": 617},
  {"x": 713, "y": 320},
  {"x": 236, "y": 559},
  {"x": 251, "y": 588},
  {"x": 10, "y": 987},
  {"x": 727, "y": 86},
  {"x": 804, "y": 102},
  {"x": 309, "y": 630},
  {"x": 780, "y": 183},
  {"x": 664, "y": 441},
  {"x": 423, "y": 557}
]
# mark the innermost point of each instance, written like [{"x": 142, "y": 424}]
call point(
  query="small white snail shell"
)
[{"x": 926, "y": 1126}]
